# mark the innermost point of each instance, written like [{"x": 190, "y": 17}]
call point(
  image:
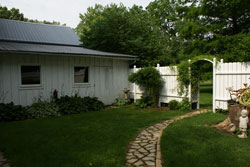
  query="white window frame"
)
[
  {"x": 84, "y": 83},
  {"x": 31, "y": 86}
]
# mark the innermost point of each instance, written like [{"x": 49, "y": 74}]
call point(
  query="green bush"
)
[
  {"x": 43, "y": 109},
  {"x": 11, "y": 112},
  {"x": 71, "y": 105},
  {"x": 174, "y": 105},
  {"x": 150, "y": 81},
  {"x": 144, "y": 102},
  {"x": 93, "y": 104},
  {"x": 185, "y": 105},
  {"x": 121, "y": 102},
  {"x": 76, "y": 104}
]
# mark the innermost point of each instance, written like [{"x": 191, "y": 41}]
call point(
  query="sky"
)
[{"x": 64, "y": 11}]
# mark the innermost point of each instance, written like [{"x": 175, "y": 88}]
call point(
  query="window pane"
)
[
  {"x": 30, "y": 75},
  {"x": 81, "y": 75}
]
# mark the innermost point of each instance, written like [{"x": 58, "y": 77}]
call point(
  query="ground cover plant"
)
[
  {"x": 42, "y": 108},
  {"x": 193, "y": 143},
  {"x": 97, "y": 139}
]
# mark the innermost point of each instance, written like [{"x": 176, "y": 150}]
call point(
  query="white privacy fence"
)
[
  {"x": 169, "y": 91},
  {"x": 224, "y": 75},
  {"x": 229, "y": 75}
]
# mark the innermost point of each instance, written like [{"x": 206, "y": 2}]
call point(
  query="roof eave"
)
[{"x": 73, "y": 54}]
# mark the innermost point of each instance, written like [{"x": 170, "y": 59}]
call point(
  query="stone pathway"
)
[
  {"x": 3, "y": 161},
  {"x": 144, "y": 151}
]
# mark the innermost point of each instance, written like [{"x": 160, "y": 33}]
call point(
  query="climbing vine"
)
[{"x": 187, "y": 76}]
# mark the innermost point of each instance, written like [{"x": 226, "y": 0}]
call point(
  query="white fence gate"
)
[{"x": 224, "y": 75}]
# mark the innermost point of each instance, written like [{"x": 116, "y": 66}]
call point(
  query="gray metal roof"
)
[
  {"x": 11, "y": 30},
  {"x": 18, "y": 36},
  {"x": 55, "y": 49}
]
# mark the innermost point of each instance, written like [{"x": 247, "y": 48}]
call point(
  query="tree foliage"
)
[
  {"x": 149, "y": 80},
  {"x": 115, "y": 28},
  {"x": 215, "y": 27},
  {"x": 169, "y": 31}
]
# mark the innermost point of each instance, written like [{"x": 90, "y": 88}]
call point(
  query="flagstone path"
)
[
  {"x": 3, "y": 161},
  {"x": 144, "y": 151}
]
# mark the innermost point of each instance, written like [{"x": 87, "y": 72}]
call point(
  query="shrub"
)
[
  {"x": 149, "y": 80},
  {"x": 144, "y": 102},
  {"x": 11, "y": 112},
  {"x": 174, "y": 105},
  {"x": 121, "y": 102},
  {"x": 93, "y": 104},
  {"x": 185, "y": 105},
  {"x": 42, "y": 109},
  {"x": 76, "y": 104},
  {"x": 71, "y": 105}
]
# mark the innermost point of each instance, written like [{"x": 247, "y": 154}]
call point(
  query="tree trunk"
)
[
  {"x": 155, "y": 101},
  {"x": 234, "y": 113}
]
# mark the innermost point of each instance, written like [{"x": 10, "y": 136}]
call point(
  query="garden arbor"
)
[{"x": 196, "y": 93}]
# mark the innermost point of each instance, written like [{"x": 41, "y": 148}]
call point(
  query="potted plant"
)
[
  {"x": 243, "y": 102},
  {"x": 235, "y": 106}
]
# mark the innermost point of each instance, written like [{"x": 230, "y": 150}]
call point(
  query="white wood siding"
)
[{"x": 107, "y": 77}]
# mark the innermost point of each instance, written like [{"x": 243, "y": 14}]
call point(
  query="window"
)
[
  {"x": 30, "y": 75},
  {"x": 81, "y": 75}
]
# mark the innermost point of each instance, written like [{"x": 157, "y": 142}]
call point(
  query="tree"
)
[
  {"x": 213, "y": 27},
  {"x": 12, "y": 14},
  {"x": 149, "y": 80},
  {"x": 164, "y": 15},
  {"x": 117, "y": 29}
]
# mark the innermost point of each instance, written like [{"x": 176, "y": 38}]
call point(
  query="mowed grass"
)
[
  {"x": 191, "y": 143},
  {"x": 206, "y": 94},
  {"x": 95, "y": 139}
]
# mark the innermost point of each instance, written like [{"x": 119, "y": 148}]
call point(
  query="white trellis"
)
[{"x": 224, "y": 75}]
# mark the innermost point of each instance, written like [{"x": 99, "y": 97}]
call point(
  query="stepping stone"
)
[
  {"x": 142, "y": 150},
  {"x": 138, "y": 155},
  {"x": 151, "y": 155},
  {"x": 138, "y": 163},
  {"x": 131, "y": 161},
  {"x": 148, "y": 159},
  {"x": 150, "y": 163}
]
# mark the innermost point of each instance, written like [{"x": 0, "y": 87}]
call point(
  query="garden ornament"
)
[
  {"x": 243, "y": 124},
  {"x": 232, "y": 127},
  {"x": 126, "y": 91}
]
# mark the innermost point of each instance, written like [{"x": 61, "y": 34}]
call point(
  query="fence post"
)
[
  {"x": 134, "y": 86},
  {"x": 214, "y": 82},
  {"x": 158, "y": 68},
  {"x": 189, "y": 87}
]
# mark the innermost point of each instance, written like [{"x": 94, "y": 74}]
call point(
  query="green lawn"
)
[
  {"x": 206, "y": 94},
  {"x": 189, "y": 143},
  {"x": 81, "y": 140}
]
